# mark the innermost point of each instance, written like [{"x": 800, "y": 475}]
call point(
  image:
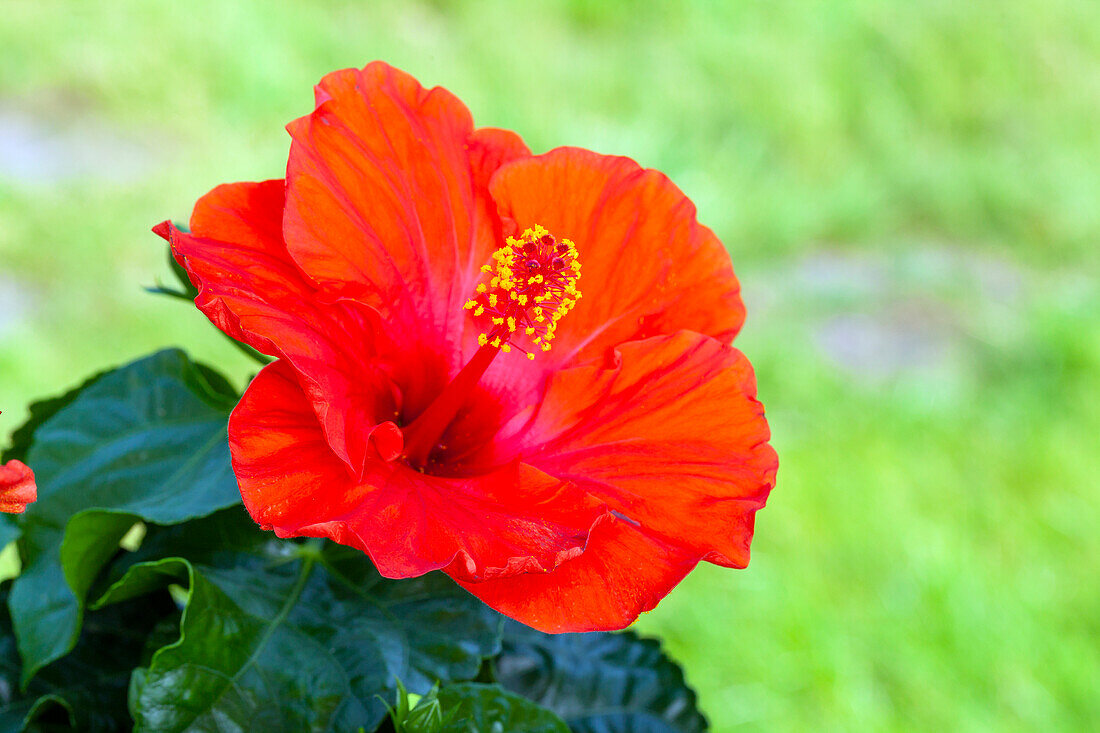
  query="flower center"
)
[{"x": 533, "y": 284}]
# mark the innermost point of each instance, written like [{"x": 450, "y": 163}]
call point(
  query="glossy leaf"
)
[
  {"x": 290, "y": 637},
  {"x": 422, "y": 629},
  {"x": 600, "y": 682},
  {"x": 40, "y": 411},
  {"x": 9, "y": 531},
  {"x": 479, "y": 708},
  {"x": 85, "y": 690},
  {"x": 146, "y": 442}
]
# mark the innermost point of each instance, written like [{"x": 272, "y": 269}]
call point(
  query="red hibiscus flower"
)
[
  {"x": 444, "y": 397},
  {"x": 17, "y": 487}
]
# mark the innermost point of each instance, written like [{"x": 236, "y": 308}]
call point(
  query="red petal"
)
[
  {"x": 386, "y": 199},
  {"x": 516, "y": 520},
  {"x": 251, "y": 289},
  {"x": 649, "y": 267},
  {"x": 489, "y": 148},
  {"x": 670, "y": 436},
  {"x": 17, "y": 487},
  {"x": 622, "y": 573}
]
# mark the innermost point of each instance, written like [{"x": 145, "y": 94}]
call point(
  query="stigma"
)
[{"x": 532, "y": 284}]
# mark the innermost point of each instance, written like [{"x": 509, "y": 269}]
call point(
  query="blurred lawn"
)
[{"x": 909, "y": 192}]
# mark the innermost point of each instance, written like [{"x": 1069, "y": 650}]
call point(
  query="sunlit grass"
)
[{"x": 929, "y": 557}]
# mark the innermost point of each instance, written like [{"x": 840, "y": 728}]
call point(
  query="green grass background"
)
[{"x": 909, "y": 192}]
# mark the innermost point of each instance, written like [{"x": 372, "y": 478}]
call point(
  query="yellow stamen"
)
[{"x": 539, "y": 273}]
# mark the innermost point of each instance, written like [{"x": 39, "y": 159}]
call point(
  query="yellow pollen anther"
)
[{"x": 539, "y": 273}]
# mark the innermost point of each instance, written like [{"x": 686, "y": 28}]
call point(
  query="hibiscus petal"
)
[
  {"x": 515, "y": 520},
  {"x": 649, "y": 267},
  {"x": 17, "y": 487},
  {"x": 488, "y": 148},
  {"x": 622, "y": 573},
  {"x": 671, "y": 436},
  {"x": 251, "y": 289},
  {"x": 386, "y": 198}
]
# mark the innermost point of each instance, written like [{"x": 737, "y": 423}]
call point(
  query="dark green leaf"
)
[
  {"x": 240, "y": 664},
  {"x": 600, "y": 682},
  {"x": 9, "y": 531},
  {"x": 85, "y": 690},
  {"x": 159, "y": 289},
  {"x": 421, "y": 629},
  {"x": 218, "y": 540},
  {"x": 289, "y": 637},
  {"x": 476, "y": 708},
  {"x": 146, "y": 442},
  {"x": 40, "y": 411}
]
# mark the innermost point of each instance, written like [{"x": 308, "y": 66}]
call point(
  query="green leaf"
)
[
  {"x": 477, "y": 708},
  {"x": 421, "y": 629},
  {"x": 289, "y": 637},
  {"x": 40, "y": 411},
  {"x": 9, "y": 531},
  {"x": 85, "y": 690},
  {"x": 146, "y": 442},
  {"x": 218, "y": 540},
  {"x": 239, "y": 661},
  {"x": 425, "y": 717},
  {"x": 599, "y": 682}
]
